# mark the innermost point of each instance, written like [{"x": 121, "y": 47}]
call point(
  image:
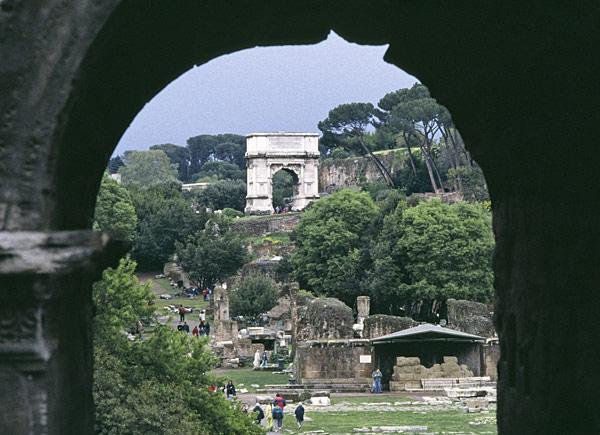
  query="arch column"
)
[{"x": 46, "y": 329}]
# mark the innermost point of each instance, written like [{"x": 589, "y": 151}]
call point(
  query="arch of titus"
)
[{"x": 268, "y": 153}]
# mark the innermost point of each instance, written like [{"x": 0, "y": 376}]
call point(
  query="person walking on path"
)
[
  {"x": 299, "y": 412},
  {"x": 269, "y": 416},
  {"x": 277, "y": 417},
  {"x": 230, "y": 390},
  {"x": 195, "y": 331},
  {"x": 260, "y": 414},
  {"x": 377, "y": 380},
  {"x": 181, "y": 313},
  {"x": 185, "y": 328},
  {"x": 256, "y": 361},
  {"x": 207, "y": 328},
  {"x": 279, "y": 401},
  {"x": 265, "y": 359}
]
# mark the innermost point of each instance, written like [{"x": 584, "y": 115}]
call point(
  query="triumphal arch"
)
[{"x": 269, "y": 153}]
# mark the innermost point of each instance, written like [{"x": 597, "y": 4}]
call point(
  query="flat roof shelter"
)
[{"x": 431, "y": 343}]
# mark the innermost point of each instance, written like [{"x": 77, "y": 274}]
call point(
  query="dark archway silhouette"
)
[{"x": 521, "y": 82}]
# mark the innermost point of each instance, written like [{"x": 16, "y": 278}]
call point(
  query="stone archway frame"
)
[
  {"x": 512, "y": 75},
  {"x": 268, "y": 153}
]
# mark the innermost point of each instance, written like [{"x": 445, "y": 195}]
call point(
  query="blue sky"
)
[{"x": 286, "y": 88}]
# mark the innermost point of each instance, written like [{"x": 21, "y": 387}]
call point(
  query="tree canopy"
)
[
  {"x": 329, "y": 237},
  {"x": 254, "y": 294},
  {"x": 212, "y": 254},
  {"x": 156, "y": 382},
  {"x": 147, "y": 168},
  {"x": 164, "y": 216},
  {"x": 115, "y": 213},
  {"x": 224, "y": 194}
]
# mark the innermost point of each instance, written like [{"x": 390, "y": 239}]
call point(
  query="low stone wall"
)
[
  {"x": 408, "y": 372},
  {"x": 337, "y": 174},
  {"x": 379, "y": 325},
  {"x": 261, "y": 226},
  {"x": 325, "y": 318},
  {"x": 471, "y": 317},
  {"x": 333, "y": 362}
]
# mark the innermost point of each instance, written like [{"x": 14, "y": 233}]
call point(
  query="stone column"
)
[
  {"x": 547, "y": 275},
  {"x": 45, "y": 329},
  {"x": 363, "y": 306}
]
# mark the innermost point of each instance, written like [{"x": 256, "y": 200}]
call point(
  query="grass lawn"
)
[
  {"x": 436, "y": 421},
  {"x": 247, "y": 376},
  {"x": 161, "y": 285},
  {"x": 370, "y": 399}
]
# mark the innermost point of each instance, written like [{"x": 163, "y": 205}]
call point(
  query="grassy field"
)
[
  {"x": 160, "y": 286},
  {"x": 436, "y": 421},
  {"x": 348, "y": 412},
  {"x": 247, "y": 376}
]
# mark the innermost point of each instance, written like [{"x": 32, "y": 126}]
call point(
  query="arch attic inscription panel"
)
[{"x": 268, "y": 153}]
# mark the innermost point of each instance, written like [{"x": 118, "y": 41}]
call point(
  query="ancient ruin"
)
[
  {"x": 74, "y": 75},
  {"x": 268, "y": 153}
]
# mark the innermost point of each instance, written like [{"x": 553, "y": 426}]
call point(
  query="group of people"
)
[
  {"x": 197, "y": 291},
  {"x": 274, "y": 414},
  {"x": 203, "y": 327},
  {"x": 260, "y": 360}
]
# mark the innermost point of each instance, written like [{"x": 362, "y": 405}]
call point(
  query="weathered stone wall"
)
[
  {"x": 336, "y": 174},
  {"x": 68, "y": 93},
  {"x": 408, "y": 372},
  {"x": 263, "y": 225},
  {"x": 176, "y": 273},
  {"x": 332, "y": 362},
  {"x": 325, "y": 318},
  {"x": 471, "y": 317},
  {"x": 491, "y": 356},
  {"x": 378, "y": 325}
]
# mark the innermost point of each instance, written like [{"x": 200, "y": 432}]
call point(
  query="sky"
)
[{"x": 264, "y": 89}]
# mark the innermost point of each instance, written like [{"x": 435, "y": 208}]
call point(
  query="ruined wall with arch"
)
[
  {"x": 520, "y": 79},
  {"x": 269, "y": 153}
]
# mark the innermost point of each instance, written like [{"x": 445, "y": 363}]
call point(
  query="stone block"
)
[
  {"x": 402, "y": 361},
  {"x": 397, "y": 386},
  {"x": 450, "y": 359},
  {"x": 413, "y": 384},
  {"x": 450, "y": 367}
]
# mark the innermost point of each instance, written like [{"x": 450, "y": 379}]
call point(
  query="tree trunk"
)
[
  {"x": 410, "y": 156},
  {"x": 384, "y": 172},
  {"x": 429, "y": 169}
]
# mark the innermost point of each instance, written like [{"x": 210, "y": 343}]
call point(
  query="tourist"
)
[
  {"x": 260, "y": 414},
  {"x": 377, "y": 380},
  {"x": 269, "y": 416},
  {"x": 207, "y": 328},
  {"x": 277, "y": 416},
  {"x": 265, "y": 359},
  {"x": 299, "y": 412},
  {"x": 256, "y": 362},
  {"x": 230, "y": 390},
  {"x": 195, "y": 331},
  {"x": 279, "y": 401},
  {"x": 202, "y": 316},
  {"x": 205, "y": 294},
  {"x": 181, "y": 313},
  {"x": 185, "y": 328}
]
